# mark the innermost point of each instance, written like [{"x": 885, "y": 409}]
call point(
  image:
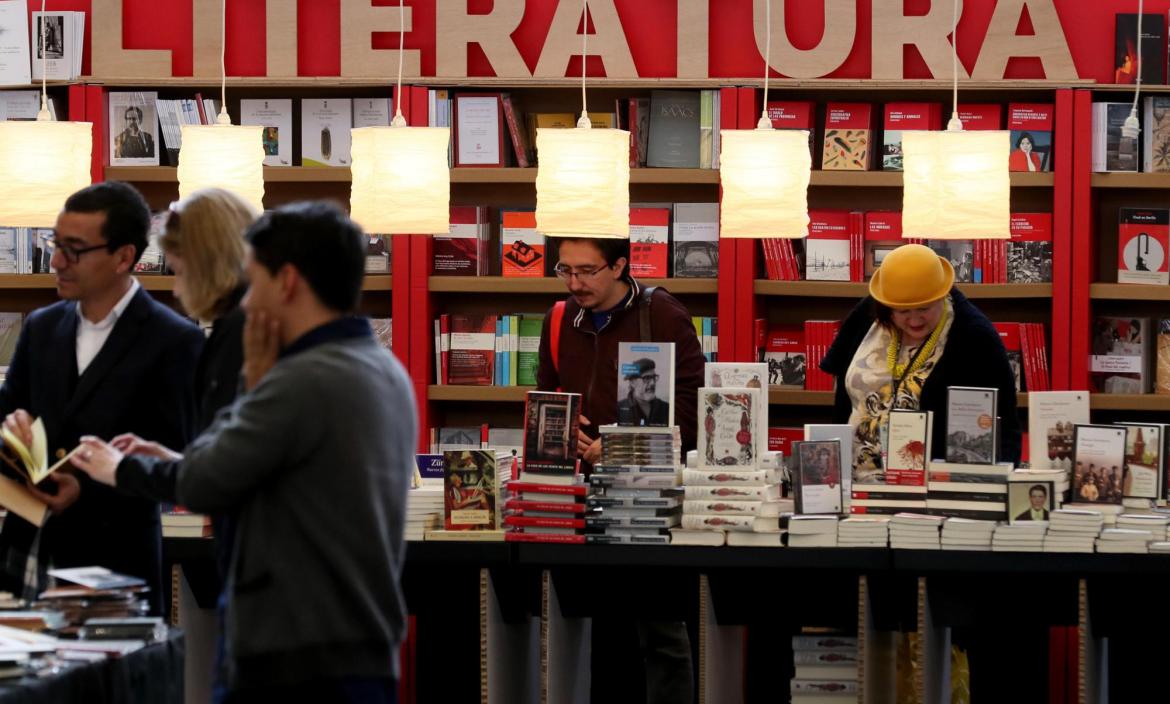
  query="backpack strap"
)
[
  {"x": 554, "y": 333},
  {"x": 644, "y": 314}
]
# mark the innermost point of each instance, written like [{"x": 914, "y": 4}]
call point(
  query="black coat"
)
[
  {"x": 974, "y": 356},
  {"x": 140, "y": 382}
]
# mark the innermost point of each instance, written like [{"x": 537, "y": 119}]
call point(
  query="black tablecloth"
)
[{"x": 148, "y": 676}]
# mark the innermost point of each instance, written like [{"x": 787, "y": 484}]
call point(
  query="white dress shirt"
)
[{"x": 91, "y": 336}]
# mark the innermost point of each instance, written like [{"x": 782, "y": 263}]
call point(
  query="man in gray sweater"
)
[{"x": 314, "y": 460}]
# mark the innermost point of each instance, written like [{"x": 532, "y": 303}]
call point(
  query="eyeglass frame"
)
[
  {"x": 646, "y": 377},
  {"x": 566, "y": 273},
  {"x": 73, "y": 254}
]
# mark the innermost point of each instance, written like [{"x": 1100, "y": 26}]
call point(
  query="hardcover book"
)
[
  {"x": 463, "y": 250},
  {"x": 960, "y": 253},
  {"x": 1029, "y": 252},
  {"x": 901, "y": 117},
  {"x": 371, "y": 112},
  {"x": 64, "y": 37},
  {"x": 883, "y": 234},
  {"x": 1098, "y": 458},
  {"x": 1152, "y": 62},
  {"x": 971, "y": 425},
  {"x": 1111, "y": 150},
  {"x": 979, "y": 116},
  {"x": 848, "y": 137},
  {"x": 749, "y": 375},
  {"x": 133, "y": 134},
  {"x": 522, "y": 248},
  {"x": 842, "y": 433},
  {"x": 726, "y": 425},
  {"x": 1143, "y": 240},
  {"x": 1143, "y": 461},
  {"x": 674, "y": 129},
  {"x": 551, "y": 424},
  {"x": 817, "y": 477},
  {"x": 908, "y": 441},
  {"x": 1052, "y": 416},
  {"x": 794, "y": 115},
  {"x": 785, "y": 356},
  {"x": 1031, "y": 126},
  {"x": 1156, "y": 134},
  {"x": 827, "y": 248},
  {"x": 275, "y": 116},
  {"x": 1120, "y": 355},
  {"x": 645, "y": 384},
  {"x": 471, "y": 496},
  {"x": 471, "y": 359},
  {"x": 14, "y": 44},
  {"x": 696, "y": 240},
  {"x": 325, "y": 126},
  {"x": 479, "y": 130},
  {"x": 649, "y": 242}
]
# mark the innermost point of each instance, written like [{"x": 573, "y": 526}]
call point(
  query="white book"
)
[
  {"x": 1145, "y": 462},
  {"x": 725, "y": 428},
  {"x": 748, "y": 523},
  {"x": 734, "y": 493},
  {"x": 20, "y": 104},
  {"x": 908, "y": 446},
  {"x": 696, "y": 241},
  {"x": 971, "y": 414},
  {"x": 844, "y": 433},
  {"x": 817, "y": 477},
  {"x": 826, "y": 259},
  {"x": 133, "y": 132},
  {"x": 325, "y": 126},
  {"x": 750, "y": 375},
  {"x": 685, "y": 536},
  {"x": 371, "y": 112},
  {"x": 645, "y": 390},
  {"x": 1051, "y": 418},
  {"x": 755, "y": 540},
  {"x": 733, "y": 508},
  {"x": 62, "y": 45},
  {"x": 1098, "y": 461},
  {"x": 275, "y": 116},
  {"x": 14, "y": 43},
  {"x": 730, "y": 477}
]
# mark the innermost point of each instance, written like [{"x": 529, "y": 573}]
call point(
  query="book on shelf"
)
[
  {"x": 961, "y": 255},
  {"x": 726, "y": 424},
  {"x": 14, "y": 44},
  {"x": 971, "y": 432},
  {"x": 377, "y": 254},
  {"x": 782, "y": 439},
  {"x": 1098, "y": 458},
  {"x": 1031, "y": 127},
  {"x": 1052, "y": 416},
  {"x": 517, "y": 134},
  {"x": 781, "y": 262},
  {"x": 707, "y": 330},
  {"x": 551, "y": 424},
  {"x": 818, "y": 337},
  {"x": 900, "y": 117},
  {"x": 439, "y": 111},
  {"x": 10, "y": 324},
  {"x": 64, "y": 38},
  {"x": 522, "y": 248},
  {"x": 828, "y": 249},
  {"x": 463, "y": 251},
  {"x": 1120, "y": 355},
  {"x": 1144, "y": 461},
  {"x": 1162, "y": 370},
  {"x": 645, "y": 382},
  {"x": 479, "y": 130},
  {"x": 883, "y": 234},
  {"x": 786, "y": 355},
  {"x": 695, "y": 241},
  {"x": 325, "y": 126},
  {"x": 1143, "y": 243},
  {"x": 472, "y": 343},
  {"x": 471, "y": 486},
  {"x": 371, "y": 112},
  {"x": 649, "y": 242},
  {"x": 849, "y": 134},
  {"x": 980, "y": 116},
  {"x": 1151, "y": 64},
  {"x": 1156, "y": 134},
  {"x": 133, "y": 129},
  {"x": 1029, "y": 251},
  {"x": 1111, "y": 150},
  {"x": 275, "y": 116},
  {"x": 24, "y": 105},
  {"x": 817, "y": 477},
  {"x": 637, "y": 112},
  {"x": 795, "y": 115},
  {"x": 674, "y": 129},
  {"x": 750, "y": 375},
  {"x": 384, "y": 332}
]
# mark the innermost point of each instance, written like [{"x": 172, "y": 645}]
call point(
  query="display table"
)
[{"x": 151, "y": 675}]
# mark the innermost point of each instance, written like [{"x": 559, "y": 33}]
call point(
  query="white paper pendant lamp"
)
[
  {"x": 401, "y": 183},
  {"x": 223, "y": 156},
  {"x": 956, "y": 185},
  {"x": 583, "y": 183},
  {"x": 42, "y": 163},
  {"x": 765, "y": 175}
]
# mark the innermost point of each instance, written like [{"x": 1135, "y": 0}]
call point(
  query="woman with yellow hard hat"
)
[{"x": 914, "y": 336}]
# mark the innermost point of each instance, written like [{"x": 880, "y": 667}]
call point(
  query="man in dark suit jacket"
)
[{"x": 106, "y": 360}]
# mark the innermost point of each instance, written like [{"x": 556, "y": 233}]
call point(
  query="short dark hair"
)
[
  {"x": 126, "y": 211},
  {"x": 612, "y": 249},
  {"x": 1041, "y": 487},
  {"x": 325, "y": 246},
  {"x": 136, "y": 109},
  {"x": 1025, "y": 135}
]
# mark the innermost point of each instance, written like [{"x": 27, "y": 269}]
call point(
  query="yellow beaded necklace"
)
[{"x": 899, "y": 371}]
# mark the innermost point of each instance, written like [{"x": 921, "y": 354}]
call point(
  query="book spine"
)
[
  {"x": 519, "y": 145},
  {"x": 524, "y": 537}
]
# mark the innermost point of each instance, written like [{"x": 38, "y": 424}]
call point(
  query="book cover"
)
[
  {"x": 848, "y": 144},
  {"x": 1052, "y": 415},
  {"x": 649, "y": 242},
  {"x": 1030, "y": 501},
  {"x": 785, "y": 355},
  {"x": 1156, "y": 134},
  {"x": 1162, "y": 374},
  {"x": 522, "y": 248},
  {"x": 817, "y": 477},
  {"x": 325, "y": 126},
  {"x": 901, "y": 117},
  {"x": 462, "y": 251},
  {"x": 133, "y": 133},
  {"x": 1143, "y": 461},
  {"x": 1009, "y": 335},
  {"x": 14, "y": 44},
  {"x": 979, "y": 116},
  {"x": 516, "y": 133},
  {"x": 371, "y": 112},
  {"x": 726, "y": 428},
  {"x": 528, "y": 349},
  {"x": 479, "y": 130},
  {"x": 1143, "y": 240},
  {"x": 645, "y": 383},
  {"x": 908, "y": 440},
  {"x": 551, "y": 425},
  {"x": 1112, "y": 151},
  {"x": 1120, "y": 355},
  {"x": 961, "y": 255},
  {"x": 794, "y": 115},
  {"x": 9, "y": 334},
  {"x": 971, "y": 421},
  {"x": 827, "y": 247},
  {"x": 1152, "y": 62},
  {"x": 60, "y": 51},
  {"x": 749, "y": 375},
  {"x": 275, "y": 116},
  {"x": 471, "y": 496},
  {"x": 883, "y": 234},
  {"x": 673, "y": 141},
  {"x": 1098, "y": 456},
  {"x": 1029, "y": 251},
  {"x": 695, "y": 245},
  {"x": 1031, "y": 125},
  {"x": 471, "y": 358}
]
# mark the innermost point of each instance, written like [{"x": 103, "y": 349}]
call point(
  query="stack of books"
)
[
  {"x": 1160, "y": 547},
  {"x": 549, "y": 513},
  {"x": 1156, "y": 524},
  {"x": 967, "y": 534},
  {"x": 1074, "y": 530},
  {"x": 961, "y": 490},
  {"x": 424, "y": 510},
  {"x": 826, "y": 669},
  {"x": 812, "y": 531},
  {"x": 912, "y": 531},
  {"x": 1124, "y": 540},
  {"x": 646, "y": 461},
  {"x": 1019, "y": 537},
  {"x": 178, "y": 522},
  {"x": 713, "y": 528},
  {"x": 548, "y": 501},
  {"x": 93, "y": 592},
  {"x": 864, "y": 532}
]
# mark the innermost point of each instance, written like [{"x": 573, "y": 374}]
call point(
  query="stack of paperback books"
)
[
  {"x": 1162, "y": 548},
  {"x": 975, "y": 491},
  {"x": 812, "y": 531},
  {"x": 1021, "y": 537},
  {"x": 912, "y": 531},
  {"x": 1123, "y": 540},
  {"x": 826, "y": 668},
  {"x": 864, "y": 532},
  {"x": 1153, "y": 523},
  {"x": 966, "y": 534},
  {"x": 635, "y": 497},
  {"x": 1078, "y": 527},
  {"x": 424, "y": 510}
]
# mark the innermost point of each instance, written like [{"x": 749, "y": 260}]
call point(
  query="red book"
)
[
  {"x": 472, "y": 350},
  {"x": 981, "y": 116},
  {"x": 479, "y": 130},
  {"x": 522, "y": 248},
  {"x": 639, "y": 131},
  {"x": 1009, "y": 335},
  {"x": 786, "y": 356},
  {"x": 519, "y": 136},
  {"x": 848, "y": 144},
  {"x": 463, "y": 250},
  {"x": 1031, "y": 126},
  {"x": 857, "y": 246},
  {"x": 794, "y": 115},
  {"x": 539, "y": 488},
  {"x": 790, "y": 266},
  {"x": 1040, "y": 351},
  {"x": 529, "y": 522},
  {"x": 883, "y": 234},
  {"x": 760, "y": 337},
  {"x": 445, "y": 348},
  {"x": 826, "y": 251},
  {"x": 649, "y": 242},
  {"x": 901, "y": 117},
  {"x": 1029, "y": 252},
  {"x": 523, "y": 537},
  {"x": 781, "y": 439},
  {"x": 522, "y": 505}
]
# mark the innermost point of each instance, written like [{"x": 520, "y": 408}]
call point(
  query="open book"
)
[{"x": 35, "y": 458}]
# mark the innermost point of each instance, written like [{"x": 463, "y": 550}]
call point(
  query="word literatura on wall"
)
[{"x": 706, "y": 37}]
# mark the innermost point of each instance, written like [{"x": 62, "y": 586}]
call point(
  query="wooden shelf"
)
[
  {"x": 517, "y": 175},
  {"x": 272, "y": 174},
  {"x": 151, "y": 282},
  {"x": 548, "y": 284},
  {"x": 893, "y": 179},
  {"x": 495, "y": 394},
  {"x": 1129, "y": 402},
  {"x": 791, "y": 396},
  {"x": 851, "y": 289},
  {"x": 1131, "y": 179},
  {"x": 1129, "y": 292}
]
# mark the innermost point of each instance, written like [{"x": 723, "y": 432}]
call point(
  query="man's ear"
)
[
  {"x": 290, "y": 280},
  {"x": 619, "y": 266},
  {"x": 124, "y": 258}
]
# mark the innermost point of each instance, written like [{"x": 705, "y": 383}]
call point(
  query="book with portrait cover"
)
[
  {"x": 275, "y": 116},
  {"x": 1152, "y": 62},
  {"x": 645, "y": 381},
  {"x": 1052, "y": 415},
  {"x": 971, "y": 425},
  {"x": 1098, "y": 458},
  {"x": 325, "y": 126},
  {"x": 649, "y": 242},
  {"x": 749, "y": 375},
  {"x": 522, "y": 248},
  {"x": 472, "y": 350},
  {"x": 1029, "y": 251},
  {"x": 908, "y": 441},
  {"x": 726, "y": 428},
  {"x": 64, "y": 36},
  {"x": 817, "y": 477},
  {"x": 462, "y": 251},
  {"x": 695, "y": 245},
  {"x": 1143, "y": 241},
  {"x": 1031, "y": 126},
  {"x": 849, "y": 136},
  {"x": 471, "y": 495},
  {"x": 551, "y": 424},
  {"x": 1120, "y": 355},
  {"x": 133, "y": 133}
]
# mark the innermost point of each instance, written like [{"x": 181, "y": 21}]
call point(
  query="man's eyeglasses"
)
[
  {"x": 646, "y": 378},
  {"x": 73, "y": 254},
  {"x": 584, "y": 273}
]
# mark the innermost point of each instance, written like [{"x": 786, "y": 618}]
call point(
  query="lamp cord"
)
[
  {"x": 764, "y": 121},
  {"x": 399, "y": 120},
  {"x": 223, "y": 118},
  {"x": 1138, "y": 59},
  {"x": 584, "y": 121},
  {"x": 955, "y": 59}
]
